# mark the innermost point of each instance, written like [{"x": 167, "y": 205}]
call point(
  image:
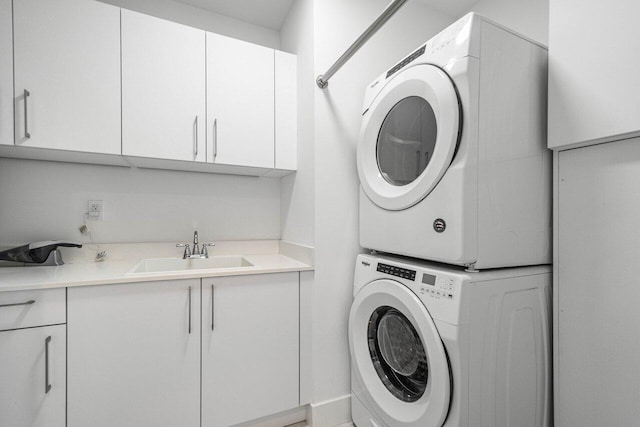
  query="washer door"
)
[
  {"x": 398, "y": 355},
  {"x": 408, "y": 137}
]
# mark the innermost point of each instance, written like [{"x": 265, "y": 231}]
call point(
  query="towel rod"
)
[{"x": 323, "y": 79}]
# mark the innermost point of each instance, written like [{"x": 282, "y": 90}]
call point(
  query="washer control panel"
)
[
  {"x": 393, "y": 270},
  {"x": 441, "y": 287},
  {"x": 427, "y": 284}
]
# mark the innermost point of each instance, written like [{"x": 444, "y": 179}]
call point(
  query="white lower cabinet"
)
[
  {"x": 250, "y": 347},
  {"x": 32, "y": 377},
  {"x": 213, "y": 352},
  {"x": 134, "y": 355}
]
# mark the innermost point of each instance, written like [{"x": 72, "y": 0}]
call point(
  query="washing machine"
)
[
  {"x": 434, "y": 345},
  {"x": 452, "y": 155}
]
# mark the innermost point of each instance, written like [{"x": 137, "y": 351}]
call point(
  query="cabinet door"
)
[
  {"x": 67, "y": 75},
  {"x": 6, "y": 74},
  {"x": 250, "y": 347},
  {"x": 597, "y": 293},
  {"x": 594, "y": 84},
  {"x": 32, "y": 377},
  {"x": 134, "y": 355},
  {"x": 240, "y": 102},
  {"x": 286, "y": 95},
  {"x": 163, "y": 89}
]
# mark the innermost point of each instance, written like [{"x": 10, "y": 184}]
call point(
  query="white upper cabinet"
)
[
  {"x": 163, "y": 89},
  {"x": 286, "y": 101},
  {"x": 67, "y": 75},
  {"x": 594, "y": 84},
  {"x": 88, "y": 82},
  {"x": 240, "y": 103},
  {"x": 6, "y": 74}
]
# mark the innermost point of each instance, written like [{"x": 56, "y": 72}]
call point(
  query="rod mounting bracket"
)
[{"x": 321, "y": 82}]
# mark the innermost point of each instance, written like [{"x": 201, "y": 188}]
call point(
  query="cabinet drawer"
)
[{"x": 24, "y": 309}]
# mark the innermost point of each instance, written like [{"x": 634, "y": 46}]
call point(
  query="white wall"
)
[
  {"x": 297, "y": 209},
  {"x": 43, "y": 200},
  {"x": 337, "y": 123},
  {"x": 46, "y": 200},
  {"x": 203, "y": 19},
  {"x": 528, "y": 17}
]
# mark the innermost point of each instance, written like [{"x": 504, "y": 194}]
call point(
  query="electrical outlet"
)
[{"x": 95, "y": 211}]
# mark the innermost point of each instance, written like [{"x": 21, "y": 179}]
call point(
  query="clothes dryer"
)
[
  {"x": 433, "y": 345},
  {"x": 452, "y": 155}
]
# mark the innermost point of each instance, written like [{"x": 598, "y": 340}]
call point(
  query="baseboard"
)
[
  {"x": 330, "y": 413},
  {"x": 291, "y": 418}
]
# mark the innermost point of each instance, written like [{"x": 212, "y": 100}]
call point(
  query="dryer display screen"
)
[
  {"x": 405, "y": 273},
  {"x": 406, "y": 61}
]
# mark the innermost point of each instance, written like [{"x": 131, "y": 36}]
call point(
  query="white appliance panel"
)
[
  {"x": 495, "y": 329},
  {"x": 490, "y": 207}
]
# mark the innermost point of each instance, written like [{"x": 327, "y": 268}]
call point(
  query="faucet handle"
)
[
  {"x": 205, "y": 252},
  {"x": 187, "y": 251}
]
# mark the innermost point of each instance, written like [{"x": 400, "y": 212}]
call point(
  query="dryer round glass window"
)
[
  {"x": 406, "y": 140},
  {"x": 398, "y": 354},
  {"x": 409, "y": 135}
]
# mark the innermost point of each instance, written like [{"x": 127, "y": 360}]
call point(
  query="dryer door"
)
[
  {"x": 409, "y": 136},
  {"x": 398, "y": 356}
]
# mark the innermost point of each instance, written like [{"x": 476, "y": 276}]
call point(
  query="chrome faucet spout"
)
[{"x": 196, "y": 249}]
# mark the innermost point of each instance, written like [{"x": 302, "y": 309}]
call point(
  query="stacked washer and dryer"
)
[{"x": 450, "y": 324}]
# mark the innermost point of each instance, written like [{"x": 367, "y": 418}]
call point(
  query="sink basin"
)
[{"x": 170, "y": 265}]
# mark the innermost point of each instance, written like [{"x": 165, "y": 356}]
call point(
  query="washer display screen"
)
[{"x": 429, "y": 279}]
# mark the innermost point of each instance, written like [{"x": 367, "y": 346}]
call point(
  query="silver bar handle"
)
[
  {"x": 26, "y": 112},
  {"x": 196, "y": 149},
  {"x": 187, "y": 252},
  {"x": 18, "y": 303},
  {"x": 47, "y": 385},
  {"x": 212, "y": 301},
  {"x": 205, "y": 251},
  {"x": 323, "y": 79},
  {"x": 189, "y": 309},
  {"x": 215, "y": 138}
]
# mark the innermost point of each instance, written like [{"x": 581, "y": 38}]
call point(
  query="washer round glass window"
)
[
  {"x": 398, "y": 354},
  {"x": 406, "y": 140}
]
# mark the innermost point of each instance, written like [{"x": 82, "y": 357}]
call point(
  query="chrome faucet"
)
[{"x": 197, "y": 252}]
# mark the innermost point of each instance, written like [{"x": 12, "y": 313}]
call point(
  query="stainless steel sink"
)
[{"x": 170, "y": 265}]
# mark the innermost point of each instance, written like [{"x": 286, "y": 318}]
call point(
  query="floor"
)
[{"x": 304, "y": 424}]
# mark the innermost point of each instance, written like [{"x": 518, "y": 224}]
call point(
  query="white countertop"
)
[{"x": 86, "y": 272}]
